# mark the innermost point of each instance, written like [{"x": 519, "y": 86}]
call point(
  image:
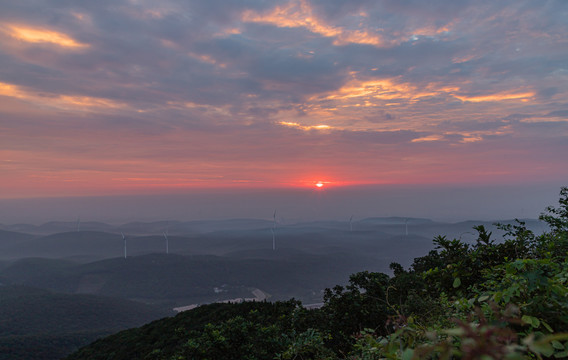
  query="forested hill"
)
[
  {"x": 43, "y": 325},
  {"x": 501, "y": 298}
]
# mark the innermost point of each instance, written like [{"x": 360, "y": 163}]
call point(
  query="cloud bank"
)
[{"x": 130, "y": 96}]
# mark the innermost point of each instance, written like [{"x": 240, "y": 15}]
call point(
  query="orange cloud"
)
[
  {"x": 59, "y": 101},
  {"x": 207, "y": 59},
  {"x": 11, "y": 91},
  {"x": 36, "y": 35},
  {"x": 359, "y": 37},
  {"x": 463, "y": 59},
  {"x": 386, "y": 89},
  {"x": 90, "y": 102},
  {"x": 431, "y": 30},
  {"x": 305, "y": 127},
  {"x": 472, "y": 138},
  {"x": 428, "y": 138},
  {"x": 496, "y": 97},
  {"x": 300, "y": 14}
]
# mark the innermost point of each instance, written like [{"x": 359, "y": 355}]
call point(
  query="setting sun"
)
[{"x": 319, "y": 184}]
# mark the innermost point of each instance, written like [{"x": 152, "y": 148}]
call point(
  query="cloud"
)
[
  {"x": 305, "y": 127},
  {"x": 41, "y": 36},
  {"x": 300, "y": 14},
  {"x": 233, "y": 91},
  {"x": 558, "y": 113},
  {"x": 524, "y": 96},
  {"x": 517, "y": 117}
]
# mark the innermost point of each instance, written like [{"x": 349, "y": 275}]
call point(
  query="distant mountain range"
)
[
  {"x": 207, "y": 254},
  {"x": 207, "y": 226},
  {"x": 88, "y": 241}
]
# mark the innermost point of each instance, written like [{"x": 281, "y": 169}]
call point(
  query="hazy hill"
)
[
  {"x": 140, "y": 228},
  {"x": 86, "y": 246},
  {"x": 308, "y": 257},
  {"x": 59, "y": 226},
  {"x": 39, "y": 324},
  {"x": 96, "y": 240},
  {"x": 385, "y": 239},
  {"x": 176, "y": 280},
  {"x": 82, "y": 244},
  {"x": 9, "y": 237},
  {"x": 207, "y": 226},
  {"x": 40, "y": 270},
  {"x": 317, "y": 239}
]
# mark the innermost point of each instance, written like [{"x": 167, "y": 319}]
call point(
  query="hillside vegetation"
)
[
  {"x": 42, "y": 325},
  {"x": 505, "y": 299}
]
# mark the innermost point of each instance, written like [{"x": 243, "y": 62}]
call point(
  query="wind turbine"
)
[
  {"x": 124, "y": 238},
  {"x": 274, "y": 231},
  {"x": 167, "y": 242},
  {"x": 351, "y": 223},
  {"x": 406, "y": 226},
  {"x": 78, "y": 223}
]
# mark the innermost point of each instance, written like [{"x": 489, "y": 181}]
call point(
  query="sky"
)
[{"x": 130, "y": 97}]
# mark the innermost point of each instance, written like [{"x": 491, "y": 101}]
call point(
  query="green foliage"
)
[
  {"x": 458, "y": 266},
  {"x": 359, "y": 305},
  {"x": 477, "y": 338},
  {"x": 557, "y": 218},
  {"x": 244, "y": 336},
  {"x": 507, "y": 300},
  {"x": 254, "y": 330},
  {"x": 309, "y": 344},
  {"x": 537, "y": 286}
]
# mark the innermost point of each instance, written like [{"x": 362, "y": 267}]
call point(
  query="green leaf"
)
[
  {"x": 544, "y": 349},
  {"x": 457, "y": 282},
  {"x": 531, "y": 320},
  {"x": 407, "y": 354},
  {"x": 557, "y": 345}
]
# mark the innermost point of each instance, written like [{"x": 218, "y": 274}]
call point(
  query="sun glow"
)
[{"x": 319, "y": 184}]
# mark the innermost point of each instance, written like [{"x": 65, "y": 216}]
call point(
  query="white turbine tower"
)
[
  {"x": 274, "y": 231},
  {"x": 351, "y": 223},
  {"x": 124, "y": 239},
  {"x": 167, "y": 242}
]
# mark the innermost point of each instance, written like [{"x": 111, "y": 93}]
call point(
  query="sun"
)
[{"x": 319, "y": 184}]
